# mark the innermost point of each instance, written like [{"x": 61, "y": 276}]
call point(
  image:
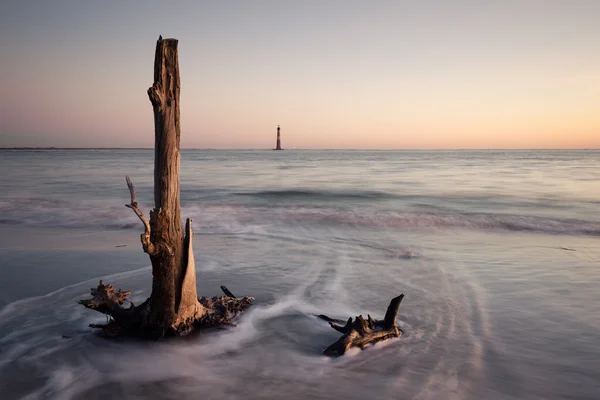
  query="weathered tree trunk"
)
[
  {"x": 360, "y": 333},
  {"x": 170, "y": 257},
  {"x": 173, "y": 306}
]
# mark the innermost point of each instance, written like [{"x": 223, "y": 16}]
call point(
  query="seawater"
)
[{"x": 497, "y": 253}]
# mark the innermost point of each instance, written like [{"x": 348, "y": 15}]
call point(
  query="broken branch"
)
[
  {"x": 107, "y": 300},
  {"x": 145, "y": 237},
  {"x": 227, "y": 292},
  {"x": 360, "y": 333}
]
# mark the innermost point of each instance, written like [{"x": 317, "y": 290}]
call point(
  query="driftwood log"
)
[
  {"x": 173, "y": 307},
  {"x": 360, "y": 332}
]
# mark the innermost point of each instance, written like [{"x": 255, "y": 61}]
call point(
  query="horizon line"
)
[{"x": 304, "y": 149}]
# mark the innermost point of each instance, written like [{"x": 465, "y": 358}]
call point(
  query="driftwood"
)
[
  {"x": 221, "y": 310},
  {"x": 360, "y": 332},
  {"x": 173, "y": 307}
]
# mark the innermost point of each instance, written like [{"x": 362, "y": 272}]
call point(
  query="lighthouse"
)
[{"x": 278, "y": 139}]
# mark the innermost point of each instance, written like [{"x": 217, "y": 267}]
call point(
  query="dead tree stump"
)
[
  {"x": 360, "y": 332},
  {"x": 173, "y": 307}
]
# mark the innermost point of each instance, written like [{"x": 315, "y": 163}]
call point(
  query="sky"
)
[{"x": 334, "y": 74}]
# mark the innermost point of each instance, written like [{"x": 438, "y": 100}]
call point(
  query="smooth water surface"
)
[{"x": 497, "y": 253}]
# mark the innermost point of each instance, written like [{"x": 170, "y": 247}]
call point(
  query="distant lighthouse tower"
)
[{"x": 278, "y": 139}]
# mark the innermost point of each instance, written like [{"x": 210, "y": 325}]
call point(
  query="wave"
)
[
  {"x": 316, "y": 194},
  {"x": 244, "y": 218},
  {"x": 448, "y": 220}
]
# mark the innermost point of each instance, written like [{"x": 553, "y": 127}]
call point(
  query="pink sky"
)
[{"x": 386, "y": 75}]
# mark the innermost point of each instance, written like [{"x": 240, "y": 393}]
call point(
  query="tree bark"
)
[
  {"x": 173, "y": 306},
  {"x": 168, "y": 260}
]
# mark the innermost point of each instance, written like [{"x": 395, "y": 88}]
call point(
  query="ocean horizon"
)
[{"x": 25, "y": 148}]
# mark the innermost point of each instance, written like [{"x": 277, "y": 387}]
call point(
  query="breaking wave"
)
[{"x": 223, "y": 218}]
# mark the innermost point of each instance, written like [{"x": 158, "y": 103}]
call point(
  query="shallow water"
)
[{"x": 497, "y": 253}]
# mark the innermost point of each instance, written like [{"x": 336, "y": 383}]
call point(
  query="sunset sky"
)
[{"x": 334, "y": 74}]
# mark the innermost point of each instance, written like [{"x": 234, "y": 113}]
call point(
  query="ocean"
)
[{"x": 496, "y": 252}]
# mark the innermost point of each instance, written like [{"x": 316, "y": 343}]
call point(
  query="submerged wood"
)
[
  {"x": 202, "y": 312},
  {"x": 360, "y": 332},
  {"x": 173, "y": 307},
  {"x": 122, "y": 321}
]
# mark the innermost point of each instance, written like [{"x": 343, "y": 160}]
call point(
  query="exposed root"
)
[
  {"x": 108, "y": 301},
  {"x": 131, "y": 321},
  {"x": 222, "y": 310},
  {"x": 360, "y": 332}
]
